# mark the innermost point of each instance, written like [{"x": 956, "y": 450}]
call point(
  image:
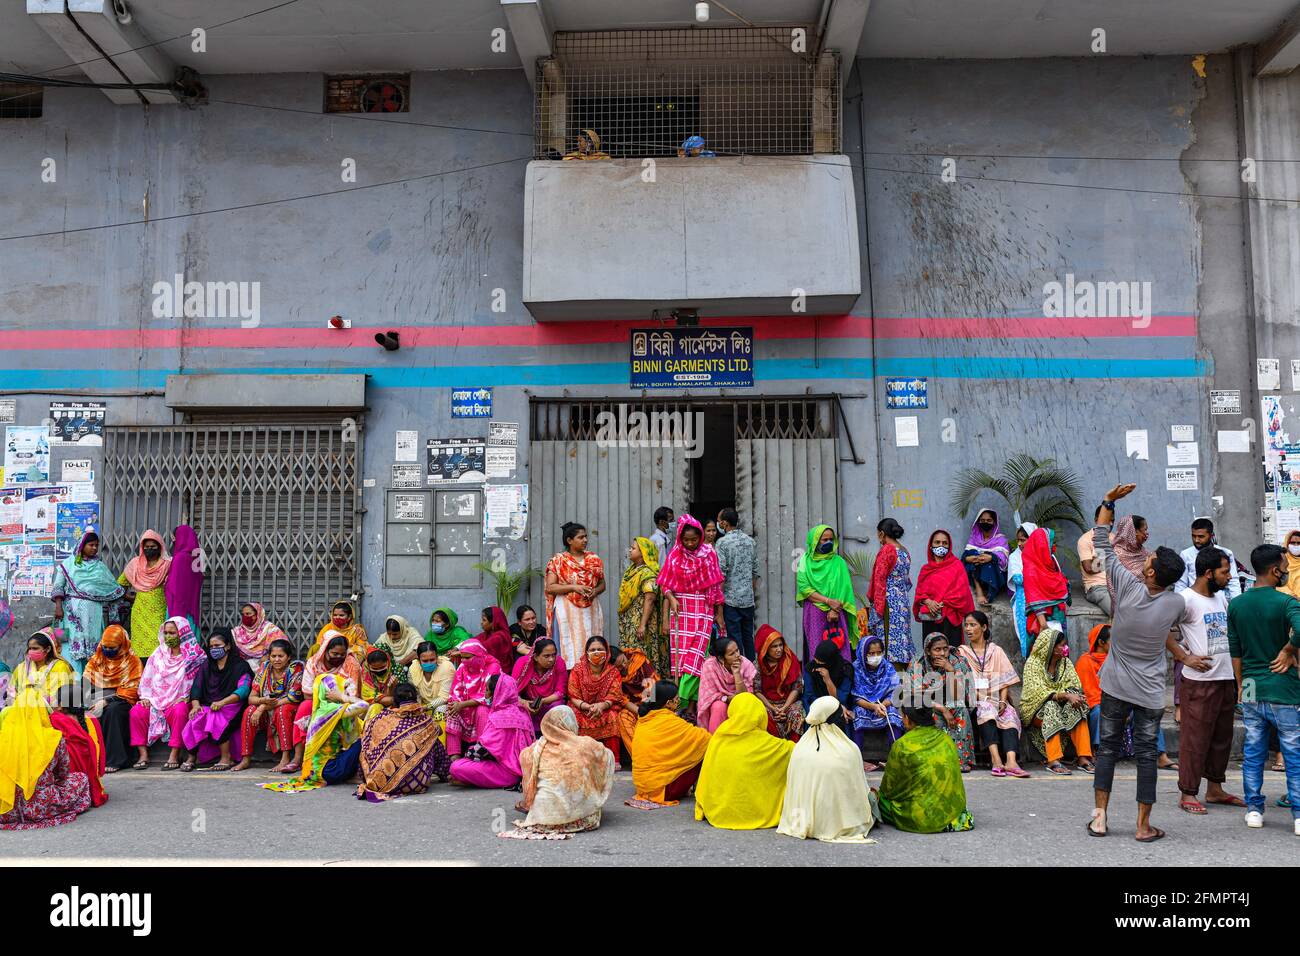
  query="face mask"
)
[
  {"x": 826, "y": 547},
  {"x": 172, "y": 642},
  {"x": 1294, "y": 549},
  {"x": 596, "y": 657},
  {"x": 439, "y": 628},
  {"x": 428, "y": 668},
  {"x": 249, "y": 619},
  {"x": 1064, "y": 650},
  {"x": 986, "y": 526},
  {"x": 940, "y": 552},
  {"x": 1281, "y": 582},
  {"x": 875, "y": 659},
  {"x": 35, "y": 656},
  {"x": 108, "y": 651},
  {"x": 216, "y": 653}
]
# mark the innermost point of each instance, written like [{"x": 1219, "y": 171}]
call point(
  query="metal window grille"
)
[
  {"x": 575, "y": 420},
  {"x": 275, "y": 508},
  {"x": 20, "y": 101},
  {"x": 372, "y": 93},
  {"x": 744, "y": 90}
]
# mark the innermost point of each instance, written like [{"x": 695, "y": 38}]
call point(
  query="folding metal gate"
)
[
  {"x": 275, "y": 507},
  {"x": 787, "y": 480}
]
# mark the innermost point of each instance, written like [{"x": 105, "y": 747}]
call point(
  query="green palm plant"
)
[
  {"x": 508, "y": 583},
  {"x": 1035, "y": 489},
  {"x": 859, "y": 562}
]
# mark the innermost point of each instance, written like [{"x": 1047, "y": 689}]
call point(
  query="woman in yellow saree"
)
[
  {"x": 742, "y": 781},
  {"x": 333, "y": 728},
  {"x": 43, "y": 671}
]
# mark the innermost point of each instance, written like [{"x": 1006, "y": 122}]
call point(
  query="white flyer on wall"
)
[
  {"x": 1183, "y": 453},
  {"x": 906, "y": 432},
  {"x": 1180, "y": 479},
  {"x": 1225, "y": 401},
  {"x": 407, "y": 476},
  {"x": 1179, "y": 433},
  {"x": 1269, "y": 374},
  {"x": 1135, "y": 444},
  {"x": 1295, "y": 375},
  {"x": 27, "y": 454},
  {"x": 8, "y": 411},
  {"x": 408, "y": 446},
  {"x": 505, "y": 511},
  {"x": 409, "y": 507}
]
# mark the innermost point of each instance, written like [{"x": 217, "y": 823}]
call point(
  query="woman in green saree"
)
[
  {"x": 334, "y": 727},
  {"x": 922, "y": 790},
  {"x": 444, "y": 632}
]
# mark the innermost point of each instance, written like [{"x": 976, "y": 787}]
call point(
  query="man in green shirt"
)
[{"x": 1263, "y": 637}]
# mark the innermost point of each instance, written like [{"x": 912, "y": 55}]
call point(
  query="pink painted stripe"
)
[{"x": 592, "y": 333}]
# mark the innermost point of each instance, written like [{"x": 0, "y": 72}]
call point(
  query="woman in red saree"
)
[
  {"x": 496, "y": 637},
  {"x": 943, "y": 597},
  {"x": 574, "y": 579},
  {"x": 596, "y": 694},
  {"x": 1047, "y": 590},
  {"x": 780, "y": 684}
]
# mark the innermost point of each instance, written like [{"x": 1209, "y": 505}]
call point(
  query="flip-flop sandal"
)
[
  {"x": 1060, "y": 769},
  {"x": 1093, "y": 819},
  {"x": 1156, "y": 834},
  {"x": 292, "y": 768},
  {"x": 1089, "y": 768},
  {"x": 1018, "y": 772},
  {"x": 170, "y": 766},
  {"x": 140, "y": 765},
  {"x": 218, "y": 768},
  {"x": 1232, "y": 801},
  {"x": 869, "y": 767},
  {"x": 1278, "y": 768},
  {"x": 187, "y": 767},
  {"x": 1283, "y": 802},
  {"x": 1193, "y": 807},
  {"x": 998, "y": 772},
  {"x": 1172, "y": 765}
]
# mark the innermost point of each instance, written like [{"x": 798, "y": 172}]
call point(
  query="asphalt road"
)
[{"x": 155, "y": 817}]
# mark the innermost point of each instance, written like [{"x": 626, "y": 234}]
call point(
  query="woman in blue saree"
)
[{"x": 84, "y": 589}]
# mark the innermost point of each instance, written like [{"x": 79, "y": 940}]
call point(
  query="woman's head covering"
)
[
  {"x": 254, "y": 642},
  {"x": 827, "y": 575},
  {"x": 664, "y": 747},
  {"x": 742, "y": 781},
  {"x": 1292, "y": 565},
  {"x": 786, "y": 671},
  {"x": 476, "y": 666},
  {"x": 637, "y": 576},
  {"x": 217, "y": 681},
  {"x": 875, "y": 684},
  {"x": 829, "y": 655},
  {"x": 826, "y": 794},
  {"x": 1124, "y": 540},
  {"x": 594, "y": 138},
  {"x": 140, "y": 574},
  {"x": 407, "y": 640},
  {"x": 498, "y": 640},
  {"x": 167, "y": 676},
  {"x": 578, "y": 771},
  {"x": 121, "y": 672},
  {"x": 185, "y": 581},
  {"x": 316, "y": 665},
  {"x": 994, "y": 542},
  {"x": 509, "y": 728},
  {"x": 1045, "y": 585},
  {"x": 450, "y": 638},
  {"x": 690, "y": 572},
  {"x": 944, "y": 580}
]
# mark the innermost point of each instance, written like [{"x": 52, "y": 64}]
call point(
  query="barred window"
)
[
  {"x": 751, "y": 90},
  {"x": 20, "y": 100},
  {"x": 369, "y": 93}
]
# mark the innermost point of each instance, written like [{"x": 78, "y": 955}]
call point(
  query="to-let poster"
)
[
  {"x": 27, "y": 454},
  {"x": 77, "y": 423}
]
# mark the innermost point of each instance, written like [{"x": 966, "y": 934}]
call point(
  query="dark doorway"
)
[{"x": 713, "y": 474}]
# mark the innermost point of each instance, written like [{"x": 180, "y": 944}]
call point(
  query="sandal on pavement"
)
[
  {"x": 1155, "y": 834},
  {"x": 869, "y": 767},
  {"x": 1192, "y": 806},
  {"x": 187, "y": 766},
  {"x": 292, "y": 768},
  {"x": 139, "y": 765},
  {"x": 218, "y": 768},
  {"x": 998, "y": 772},
  {"x": 170, "y": 766},
  {"x": 1088, "y": 767},
  {"x": 1278, "y": 767},
  {"x": 1097, "y": 814},
  {"x": 1018, "y": 772},
  {"x": 1060, "y": 768},
  {"x": 1232, "y": 801}
]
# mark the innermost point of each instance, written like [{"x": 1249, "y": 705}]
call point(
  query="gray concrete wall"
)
[{"x": 956, "y": 272}]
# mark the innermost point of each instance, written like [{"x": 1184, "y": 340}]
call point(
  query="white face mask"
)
[
  {"x": 875, "y": 659},
  {"x": 940, "y": 551},
  {"x": 1294, "y": 549}
]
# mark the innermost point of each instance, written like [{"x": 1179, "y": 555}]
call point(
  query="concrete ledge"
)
[{"x": 213, "y": 390}]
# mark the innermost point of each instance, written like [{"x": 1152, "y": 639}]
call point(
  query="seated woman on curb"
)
[
  {"x": 400, "y": 751},
  {"x": 922, "y": 790},
  {"x": 114, "y": 674},
  {"x": 996, "y": 721},
  {"x": 216, "y": 698},
  {"x": 666, "y": 751},
  {"x": 272, "y": 703},
  {"x": 162, "y": 708},
  {"x": 725, "y": 675},
  {"x": 876, "y": 724},
  {"x": 1052, "y": 703},
  {"x": 507, "y": 731}
]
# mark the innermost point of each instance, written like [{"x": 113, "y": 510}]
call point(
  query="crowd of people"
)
[{"x": 767, "y": 729}]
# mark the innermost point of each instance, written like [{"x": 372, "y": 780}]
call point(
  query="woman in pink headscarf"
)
[
  {"x": 507, "y": 732},
  {"x": 691, "y": 582},
  {"x": 467, "y": 704},
  {"x": 146, "y": 577},
  {"x": 254, "y": 633},
  {"x": 162, "y": 709},
  {"x": 184, "y": 588}
]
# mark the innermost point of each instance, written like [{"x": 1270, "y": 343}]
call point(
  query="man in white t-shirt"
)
[{"x": 1209, "y": 685}]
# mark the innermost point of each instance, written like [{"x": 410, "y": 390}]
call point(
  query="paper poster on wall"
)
[
  {"x": 8, "y": 411},
  {"x": 502, "y": 449},
  {"x": 1269, "y": 374},
  {"x": 77, "y": 423},
  {"x": 1135, "y": 444},
  {"x": 505, "y": 511},
  {"x": 1232, "y": 441},
  {"x": 33, "y": 574},
  {"x": 408, "y": 446},
  {"x": 407, "y": 476},
  {"x": 460, "y": 460},
  {"x": 11, "y": 516},
  {"x": 409, "y": 507},
  {"x": 1225, "y": 401},
  {"x": 27, "y": 454},
  {"x": 906, "y": 432},
  {"x": 1295, "y": 375},
  {"x": 1183, "y": 453},
  {"x": 1267, "y": 520},
  {"x": 1180, "y": 479},
  {"x": 41, "y": 513},
  {"x": 1180, "y": 433},
  {"x": 76, "y": 469},
  {"x": 1284, "y": 522},
  {"x": 74, "y": 520},
  {"x": 81, "y": 491}
]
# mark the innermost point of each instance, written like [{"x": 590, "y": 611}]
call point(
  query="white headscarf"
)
[
  {"x": 826, "y": 794},
  {"x": 1016, "y": 562}
]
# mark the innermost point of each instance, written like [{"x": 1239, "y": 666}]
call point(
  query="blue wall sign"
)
[{"x": 471, "y": 403}]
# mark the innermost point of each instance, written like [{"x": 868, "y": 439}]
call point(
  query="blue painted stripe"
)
[{"x": 616, "y": 373}]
